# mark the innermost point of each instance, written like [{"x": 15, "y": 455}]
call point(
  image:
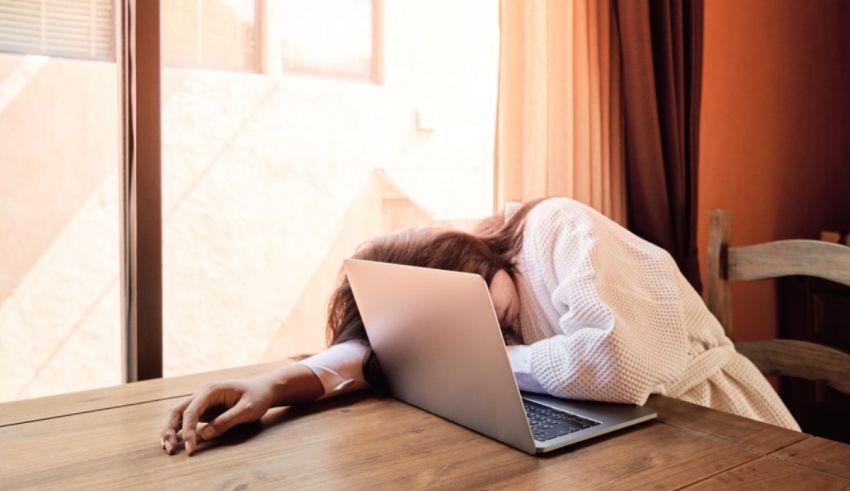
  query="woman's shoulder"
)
[
  {"x": 567, "y": 221},
  {"x": 557, "y": 224},
  {"x": 560, "y": 211}
]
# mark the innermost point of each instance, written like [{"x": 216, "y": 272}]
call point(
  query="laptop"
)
[{"x": 437, "y": 338}]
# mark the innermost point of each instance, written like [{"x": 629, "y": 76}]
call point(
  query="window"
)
[
  {"x": 270, "y": 180},
  {"x": 59, "y": 267},
  {"x": 330, "y": 37},
  {"x": 211, "y": 34},
  {"x": 74, "y": 29}
]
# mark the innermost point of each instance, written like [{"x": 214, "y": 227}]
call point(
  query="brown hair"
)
[{"x": 493, "y": 246}]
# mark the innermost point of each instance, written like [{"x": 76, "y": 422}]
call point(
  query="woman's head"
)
[{"x": 490, "y": 252}]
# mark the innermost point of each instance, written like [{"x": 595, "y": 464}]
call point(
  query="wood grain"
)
[
  {"x": 791, "y": 358},
  {"x": 149, "y": 390},
  {"x": 719, "y": 292},
  {"x": 363, "y": 441},
  {"x": 357, "y": 442},
  {"x": 742, "y": 432},
  {"x": 790, "y": 257},
  {"x": 800, "y": 359},
  {"x": 771, "y": 473},
  {"x": 819, "y": 453},
  {"x": 655, "y": 456}
]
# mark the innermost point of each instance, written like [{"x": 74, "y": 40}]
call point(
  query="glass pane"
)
[
  {"x": 271, "y": 178},
  {"x": 59, "y": 135},
  {"x": 214, "y": 34},
  {"x": 330, "y": 37}
]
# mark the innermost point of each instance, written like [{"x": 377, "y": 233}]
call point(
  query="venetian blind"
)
[{"x": 69, "y": 28}]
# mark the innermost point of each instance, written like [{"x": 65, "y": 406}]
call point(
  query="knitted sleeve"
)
[{"x": 620, "y": 334}]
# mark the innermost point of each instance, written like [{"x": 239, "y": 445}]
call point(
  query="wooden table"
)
[{"x": 109, "y": 438}]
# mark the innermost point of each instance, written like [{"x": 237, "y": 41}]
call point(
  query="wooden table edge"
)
[{"x": 55, "y": 406}]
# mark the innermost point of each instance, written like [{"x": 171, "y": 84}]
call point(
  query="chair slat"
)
[
  {"x": 790, "y": 257},
  {"x": 800, "y": 359}
]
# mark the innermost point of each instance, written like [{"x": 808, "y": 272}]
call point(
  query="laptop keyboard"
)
[{"x": 547, "y": 423}]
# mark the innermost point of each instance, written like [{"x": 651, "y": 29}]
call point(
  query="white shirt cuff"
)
[
  {"x": 340, "y": 368},
  {"x": 520, "y": 358}
]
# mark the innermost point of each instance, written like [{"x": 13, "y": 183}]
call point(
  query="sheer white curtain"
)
[{"x": 559, "y": 108}]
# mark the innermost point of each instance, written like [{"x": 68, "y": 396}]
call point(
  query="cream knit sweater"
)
[{"x": 606, "y": 316}]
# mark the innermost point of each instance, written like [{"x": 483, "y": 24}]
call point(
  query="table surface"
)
[{"x": 109, "y": 438}]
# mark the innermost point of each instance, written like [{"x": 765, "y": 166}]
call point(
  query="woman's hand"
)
[{"x": 242, "y": 401}]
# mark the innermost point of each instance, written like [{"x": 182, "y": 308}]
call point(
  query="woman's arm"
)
[
  {"x": 335, "y": 371},
  {"x": 621, "y": 332},
  {"x": 340, "y": 368}
]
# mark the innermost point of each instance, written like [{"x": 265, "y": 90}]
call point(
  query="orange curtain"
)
[{"x": 559, "y": 108}]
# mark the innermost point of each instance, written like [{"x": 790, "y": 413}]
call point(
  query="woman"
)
[{"x": 588, "y": 310}]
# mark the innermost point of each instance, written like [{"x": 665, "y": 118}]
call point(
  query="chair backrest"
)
[{"x": 771, "y": 260}]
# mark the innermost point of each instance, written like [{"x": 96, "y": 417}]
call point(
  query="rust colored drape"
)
[{"x": 661, "y": 55}]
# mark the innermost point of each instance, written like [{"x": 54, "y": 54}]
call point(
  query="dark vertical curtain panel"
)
[{"x": 661, "y": 53}]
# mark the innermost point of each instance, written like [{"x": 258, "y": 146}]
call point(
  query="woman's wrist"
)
[{"x": 293, "y": 384}]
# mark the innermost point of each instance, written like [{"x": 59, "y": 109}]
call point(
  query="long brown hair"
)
[{"x": 493, "y": 246}]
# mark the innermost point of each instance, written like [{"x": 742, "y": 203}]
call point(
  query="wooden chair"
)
[{"x": 786, "y": 357}]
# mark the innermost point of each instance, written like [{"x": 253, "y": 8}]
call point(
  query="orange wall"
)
[{"x": 774, "y": 130}]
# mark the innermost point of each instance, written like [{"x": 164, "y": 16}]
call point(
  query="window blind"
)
[{"x": 69, "y": 28}]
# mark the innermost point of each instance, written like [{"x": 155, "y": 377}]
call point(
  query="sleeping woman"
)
[{"x": 588, "y": 311}]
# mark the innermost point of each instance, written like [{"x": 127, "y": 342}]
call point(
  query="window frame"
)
[
  {"x": 141, "y": 186},
  {"x": 140, "y": 192}
]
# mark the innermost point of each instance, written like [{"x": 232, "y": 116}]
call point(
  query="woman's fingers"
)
[
  {"x": 206, "y": 405},
  {"x": 171, "y": 425},
  {"x": 199, "y": 404},
  {"x": 226, "y": 420}
]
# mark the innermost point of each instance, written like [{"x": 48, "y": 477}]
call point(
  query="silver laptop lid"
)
[{"x": 436, "y": 336}]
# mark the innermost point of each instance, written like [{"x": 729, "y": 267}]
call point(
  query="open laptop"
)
[{"x": 437, "y": 338}]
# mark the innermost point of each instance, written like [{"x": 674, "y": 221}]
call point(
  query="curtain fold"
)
[
  {"x": 660, "y": 45},
  {"x": 599, "y": 101},
  {"x": 559, "y": 126}
]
